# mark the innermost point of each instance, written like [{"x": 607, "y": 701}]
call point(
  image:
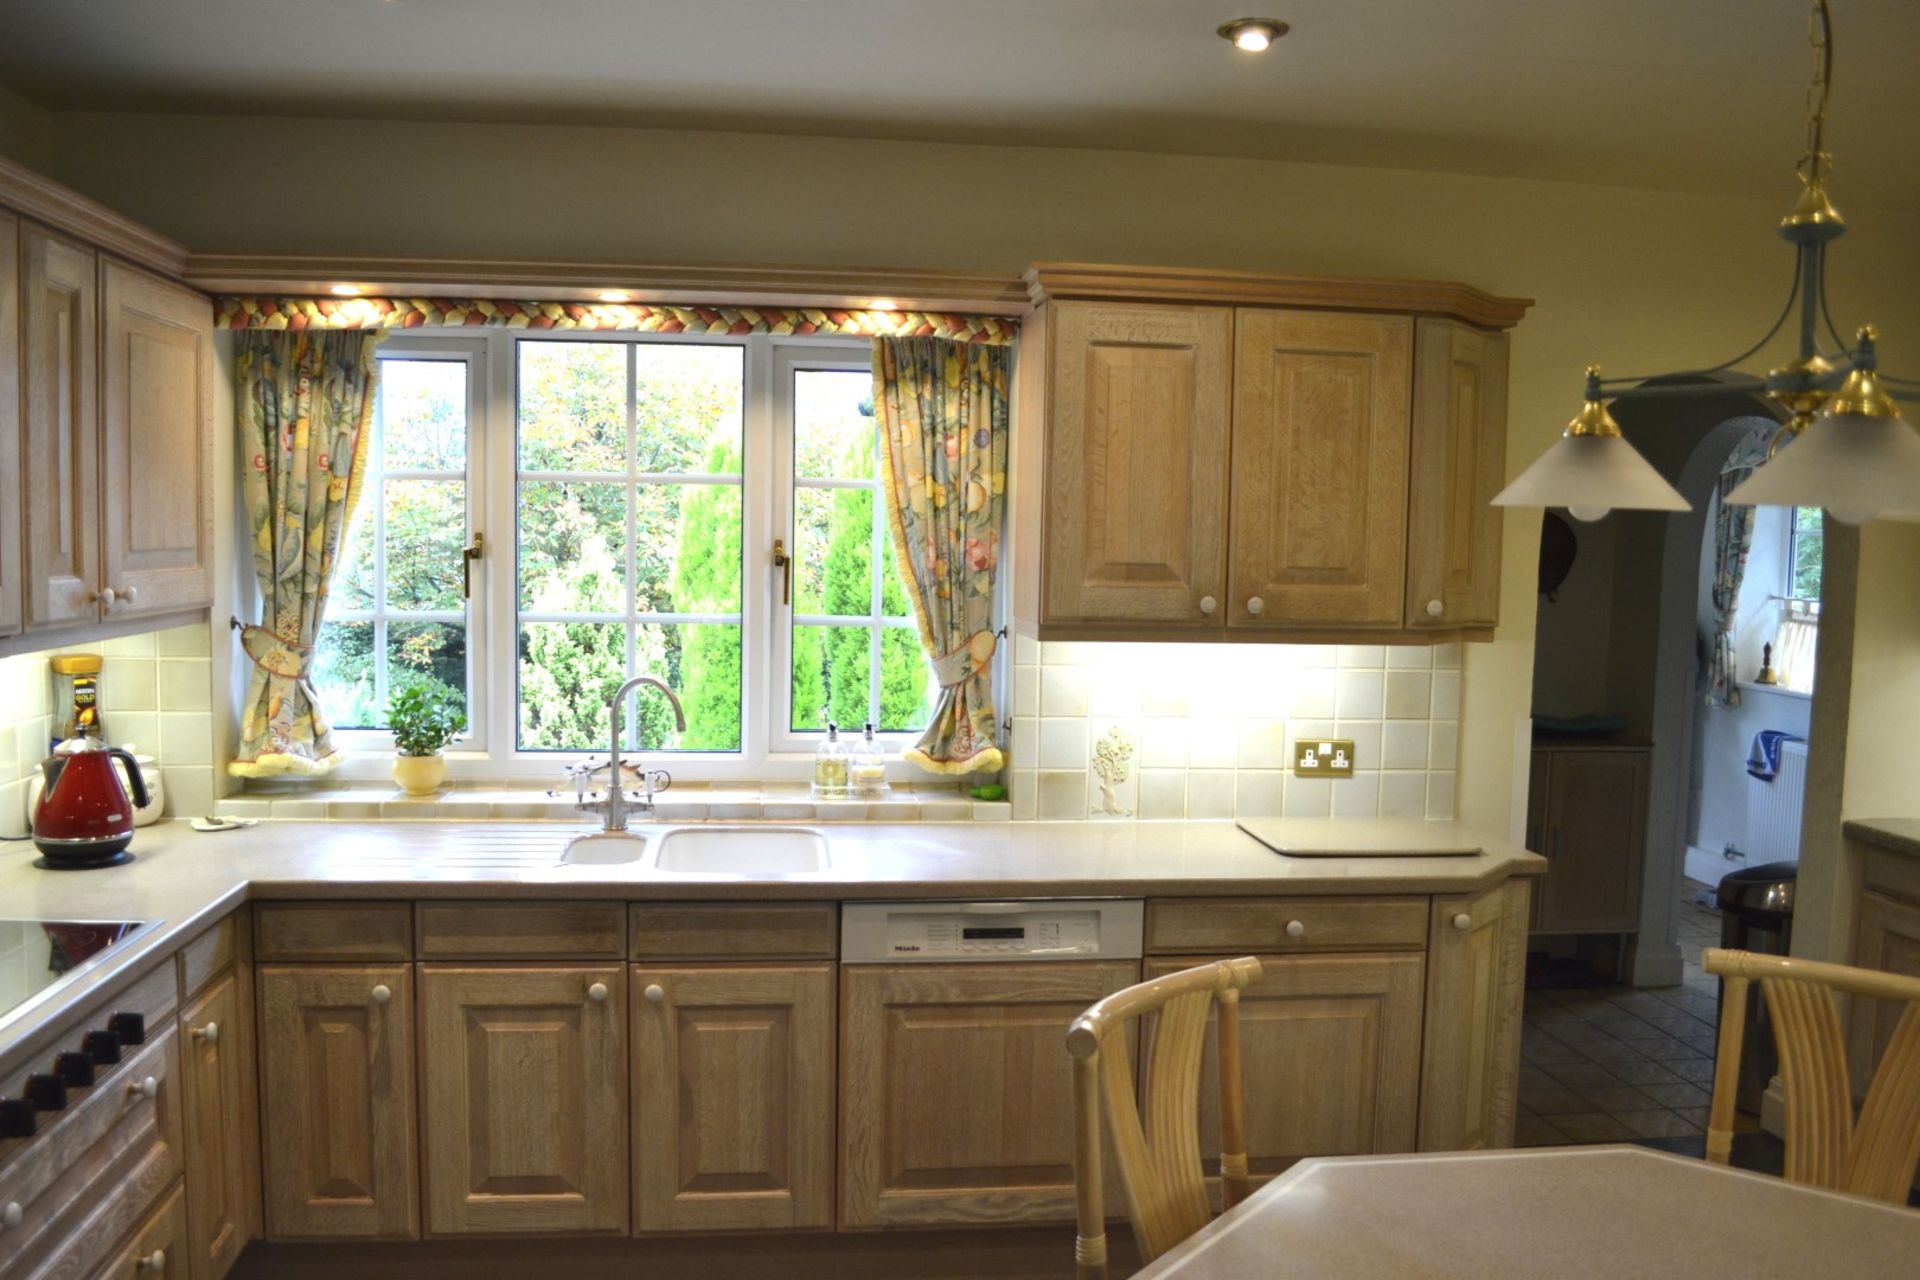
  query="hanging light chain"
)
[{"x": 1816, "y": 164}]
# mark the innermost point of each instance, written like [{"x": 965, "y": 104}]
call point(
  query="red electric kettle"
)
[{"x": 84, "y": 818}]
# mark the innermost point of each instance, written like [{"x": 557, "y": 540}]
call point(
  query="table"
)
[{"x": 1558, "y": 1213}]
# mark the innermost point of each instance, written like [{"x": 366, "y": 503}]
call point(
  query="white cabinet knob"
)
[
  {"x": 154, "y": 1263},
  {"x": 12, "y": 1216},
  {"x": 382, "y": 993},
  {"x": 1208, "y": 604},
  {"x": 106, "y": 596},
  {"x": 597, "y": 993},
  {"x": 148, "y": 1088},
  {"x": 1256, "y": 606},
  {"x": 209, "y": 1034},
  {"x": 1435, "y": 608},
  {"x": 1463, "y": 922},
  {"x": 655, "y": 993},
  {"x": 1295, "y": 929},
  {"x": 129, "y": 594}
]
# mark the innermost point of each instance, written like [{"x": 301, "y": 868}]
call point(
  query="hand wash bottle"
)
[{"x": 830, "y": 767}]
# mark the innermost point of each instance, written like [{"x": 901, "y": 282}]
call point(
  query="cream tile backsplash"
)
[
  {"x": 155, "y": 692},
  {"x": 1210, "y": 727}
]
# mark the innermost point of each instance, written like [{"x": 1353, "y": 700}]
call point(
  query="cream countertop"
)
[{"x": 187, "y": 879}]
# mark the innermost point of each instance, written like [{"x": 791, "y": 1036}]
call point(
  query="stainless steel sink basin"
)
[
  {"x": 604, "y": 848},
  {"x": 742, "y": 851}
]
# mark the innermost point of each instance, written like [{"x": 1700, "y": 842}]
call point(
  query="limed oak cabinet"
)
[{"x": 1225, "y": 456}]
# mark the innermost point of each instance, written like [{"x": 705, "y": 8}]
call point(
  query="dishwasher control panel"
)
[{"x": 1078, "y": 929}]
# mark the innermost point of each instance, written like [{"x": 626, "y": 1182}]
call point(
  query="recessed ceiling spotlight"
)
[
  {"x": 613, "y": 295},
  {"x": 883, "y": 304},
  {"x": 345, "y": 290},
  {"x": 1253, "y": 35}
]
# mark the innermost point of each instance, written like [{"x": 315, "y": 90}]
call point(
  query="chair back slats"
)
[
  {"x": 1155, "y": 1143},
  {"x": 1886, "y": 1142},
  {"x": 1874, "y": 1155}
]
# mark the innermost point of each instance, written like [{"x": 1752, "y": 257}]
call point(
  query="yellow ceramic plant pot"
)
[{"x": 420, "y": 775}]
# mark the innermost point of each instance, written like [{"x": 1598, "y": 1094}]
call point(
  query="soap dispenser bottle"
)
[
  {"x": 868, "y": 772},
  {"x": 830, "y": 767}
]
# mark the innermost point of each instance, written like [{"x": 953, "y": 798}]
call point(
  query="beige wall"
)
[
  {"x": 1639, "y": 280},
  {"x": 26, "y": 131}
]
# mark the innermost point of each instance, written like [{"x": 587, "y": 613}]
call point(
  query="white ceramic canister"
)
[{"x": 143, "y": 815}]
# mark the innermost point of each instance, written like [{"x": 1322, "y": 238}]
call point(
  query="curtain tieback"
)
[
  {"x": 964, "y": 663},
  {"x": 274, "y": 653}
]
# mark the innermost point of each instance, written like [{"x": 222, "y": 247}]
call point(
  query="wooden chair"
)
[
  {"x": 1159, "y": 1161},
  {"x": 1826, "y": 1146}
]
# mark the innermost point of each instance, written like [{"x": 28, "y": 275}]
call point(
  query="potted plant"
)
[{"x": 424, "y": 721}]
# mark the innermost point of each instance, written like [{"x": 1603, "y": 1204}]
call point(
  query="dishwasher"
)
[{"x": 955, "y": 1087}]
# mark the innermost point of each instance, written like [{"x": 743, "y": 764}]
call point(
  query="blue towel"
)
[{"x": 1763, "y": 758}]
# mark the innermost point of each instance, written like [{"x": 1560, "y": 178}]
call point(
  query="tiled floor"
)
[{"x": 1612, "y": 1063}]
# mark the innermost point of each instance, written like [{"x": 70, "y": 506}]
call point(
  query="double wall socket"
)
[{"x": 1323, "y": 757}]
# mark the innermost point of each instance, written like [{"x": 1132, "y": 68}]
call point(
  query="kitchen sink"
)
[
  {"x": 604, "y": 848},
  {"x": 742, "y": 851}
]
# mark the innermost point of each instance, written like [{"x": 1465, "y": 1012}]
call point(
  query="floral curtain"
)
[
  {"x": 303, "y": 404},
  {"x": 1732, "y": 539},
  {"x": 943, "y": 417}
]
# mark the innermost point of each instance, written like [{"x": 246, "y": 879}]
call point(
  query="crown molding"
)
[{"x": 36, "y": 196}]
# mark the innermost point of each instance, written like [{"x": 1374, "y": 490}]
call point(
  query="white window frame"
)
[
  {"x": 474, "y": 354},
  {"x": 1793, "y": 556},
  {"x": 770, "y": 750}
]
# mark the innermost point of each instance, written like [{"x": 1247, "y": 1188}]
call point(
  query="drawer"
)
[
  {"x": 353, "y": 932},
  {"x": 1284, "y": 924},
  {"x": 213, "y": 953},
  {"x": 735, "y": 931},
  {"x": 161, "y": 1239},
  {"x": 529, "y": 931},
  {"x": 95, "y": 1169}
]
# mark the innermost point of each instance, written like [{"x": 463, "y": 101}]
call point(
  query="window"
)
[
  {"x": 631, "y": 487},
  {"x": 1797, "y": 641},
  {"x": 1806, "y": 543},
  {"x": 397, "y": 615}
]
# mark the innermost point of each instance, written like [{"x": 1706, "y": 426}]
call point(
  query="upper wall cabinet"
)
[
  {"x": 1241, "y": 457},
  {"x": 10, "y": 530},
  {"x": 61, "y": 451},
  {"x": 1137, "y": 464}
]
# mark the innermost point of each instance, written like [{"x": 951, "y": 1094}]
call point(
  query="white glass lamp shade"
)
[
  {"x": 1860, "y": 467},
  {"x": 1591, "y": 475}
]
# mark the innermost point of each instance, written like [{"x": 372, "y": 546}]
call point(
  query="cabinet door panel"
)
[
  {"x": 1319, "y": 513},
  {"x": 1330, "y": 1058},
  {"x": 336, "y": 1101},
  {"x": 1136, "y": 463},
  {"x": 733, "y": 1098},
  {"x": 956, "y": 1091},
  {"x": 216, "y": 1034},
  {"x": 1459, "y": 464},
  {"x": 11, "y": 436},
  {"x": 524, "y": 1098},
  {"x": 1470, "y": 1072},
  {"x": 1888, "y": 939},
  {"x": 61, "y": 457},
  {"x": 1596, "y": 841},
  {"x": 157, "y": 444}
]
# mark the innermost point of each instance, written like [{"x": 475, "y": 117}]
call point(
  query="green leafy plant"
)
[{"x": 424, "y": 719}]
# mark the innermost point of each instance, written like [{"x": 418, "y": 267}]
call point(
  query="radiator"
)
[{"x": 1774, "y": 808}]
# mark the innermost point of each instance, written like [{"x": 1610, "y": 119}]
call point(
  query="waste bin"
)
[{"x": 1756, "y": 914}]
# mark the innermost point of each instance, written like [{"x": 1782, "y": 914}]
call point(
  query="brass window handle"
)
[
  {"x": 467, "y": 556},
  {"x": 784, "y": 562}
]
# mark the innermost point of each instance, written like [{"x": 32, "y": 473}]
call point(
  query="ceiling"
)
[{"x": 1685, "y": 94}]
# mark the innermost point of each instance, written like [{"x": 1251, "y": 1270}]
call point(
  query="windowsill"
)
[
  {"x": 684, "y": 802},
  {"x": 1776, "y": 690}
]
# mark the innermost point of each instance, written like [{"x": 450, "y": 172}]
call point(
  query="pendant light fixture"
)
[{"x": 1851, "y": 451}]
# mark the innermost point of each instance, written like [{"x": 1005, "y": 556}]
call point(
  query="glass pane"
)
[
  {"x": 686, "y": 403},
  {"x": 833, "y": 426},
  {"x": 573, "y": 536},
  {"x": 833, "y": 544},
  {"x": 426, "y": 529},
  {"x": 353, "y": 581},
  {"x": 894, "y": 600},
  {"x": 573, "y": 406},
  {"x": 846, "y": 664},
  {"x": 701, "y": 663},
  {"x": 343, "y": 676},
  {"x": 906, "y": 685},
  {"x": 423, "y": 414},
  {"x": 809, "y": 701},
  {"x": 1809, "y": 547},
  {"x": 568, "y": 672},
  {"x": 432, "y": 655},
  {"x": 687, "y": 548}
]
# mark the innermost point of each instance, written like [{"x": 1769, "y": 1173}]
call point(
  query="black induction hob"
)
[{"x": 39, "y": 956}]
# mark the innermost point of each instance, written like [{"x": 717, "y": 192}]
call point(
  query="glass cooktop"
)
[{"x": 38, "y": 957}]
